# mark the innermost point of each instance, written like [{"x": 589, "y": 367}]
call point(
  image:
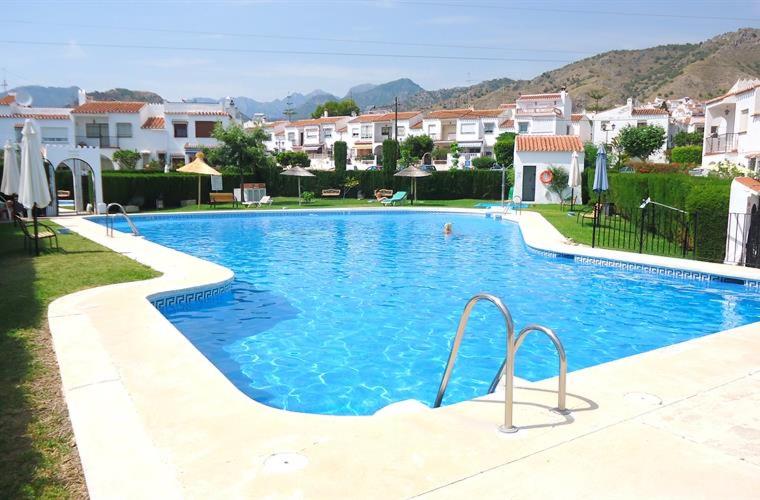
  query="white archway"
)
[{"x": 88, "y": 157}]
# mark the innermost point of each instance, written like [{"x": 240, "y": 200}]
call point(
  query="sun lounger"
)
[
  {"x": 265, "y": 200},
  {"x": 397, "y": 198}
]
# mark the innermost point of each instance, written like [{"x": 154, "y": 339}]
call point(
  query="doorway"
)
[{"x": 529, "y": 183}]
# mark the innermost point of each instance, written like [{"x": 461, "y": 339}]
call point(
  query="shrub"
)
[
  {"x": 504, "y": 149},
  {"x": 641, "y": 167},
  {"x": 127, "y": 159},
  {"x": 589, "y": 155},
  {"x": 483, "y": 162},
  {"x": 687, "y": 139},
  {"x": 416, "y": 146},
  {"x": 440, "y": 153},
  {"x": 307, "y": 196},
  {"x": 686, "y": 154},
  {"x": 641, "y": 142},
  {"x": 340, "y": 153},
  {"x": 390, "y": 159},
  {"x": 559, "y": 181},
  {"x": 293, "y": 159},
  {"x": 710, "y": 204}
]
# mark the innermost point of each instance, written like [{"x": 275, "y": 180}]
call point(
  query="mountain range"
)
[{"x": 699, "y": 70}]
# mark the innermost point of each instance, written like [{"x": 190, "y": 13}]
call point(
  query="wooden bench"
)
[
  {"x": 215, "y": 198},
  {"x": 330, "y": 193}
]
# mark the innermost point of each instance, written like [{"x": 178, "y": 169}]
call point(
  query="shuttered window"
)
[{"x": 204, "y": 128}]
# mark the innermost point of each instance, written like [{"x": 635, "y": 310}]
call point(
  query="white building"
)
[
  {"x": 544, "y": 114},
  {"x": 732, "y": 126},
  {"x": 170, "y": 133},
  {"x": 580, "y": 125},
  {"x": 608, "y": 124},
  {"x": 535, "y": 155},
  {"x": 365, "y": 133},
  {"x": 54, "y": 124}
]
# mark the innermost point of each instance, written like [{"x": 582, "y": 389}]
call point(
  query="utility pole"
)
[
  {"x": 395, "y": 132},
  {"x": 5, "y": 83},
  {"x": 289, "y": 111}
]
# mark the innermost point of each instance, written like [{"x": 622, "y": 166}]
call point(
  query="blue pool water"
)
[{"x": 346, "y": 313}]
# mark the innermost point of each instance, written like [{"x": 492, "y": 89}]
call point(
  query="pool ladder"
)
[
  {"x": 508, "y": 365},
  {"x": 122, "y": 211}
]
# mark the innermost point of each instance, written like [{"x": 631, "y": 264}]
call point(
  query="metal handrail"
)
[
  {"x": 509, "y": 356},
  {"x": 109, "y": 221},
  {"x": 562, "y": 390}
]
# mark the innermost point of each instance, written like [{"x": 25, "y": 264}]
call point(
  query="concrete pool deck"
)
[{"x": 154, "y": 418}]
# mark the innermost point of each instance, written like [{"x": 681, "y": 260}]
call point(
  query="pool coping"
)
[{"x": 99, "y": 365}]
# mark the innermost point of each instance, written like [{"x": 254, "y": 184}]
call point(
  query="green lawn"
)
[
  {"x": 38, "y": 456},
  {"x": 571, "y": 228},
  {"x": 287, "y": 202}
]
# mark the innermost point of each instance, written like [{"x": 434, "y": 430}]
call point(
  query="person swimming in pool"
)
[{"x": 447, "y": 228}]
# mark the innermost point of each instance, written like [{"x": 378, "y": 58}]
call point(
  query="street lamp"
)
[{"x": 607, "y": 129}]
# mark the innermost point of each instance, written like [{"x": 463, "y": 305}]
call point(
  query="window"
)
[
  {"x": 328, "y": 133},
  {"x": 522, "y": 127},
  {"x": 312, "y": 133},
  {"x": 292, "y": 136},
  {"x": 162, "y": 158},
  {"x": 432, "y": 130},
  {"x": 355, "y": 133},
  {"x": 180, "y": 129},
  {"x": 641, "y": 123},
  {"x": 204, "y": 128},
  {"x": 567, "y": 130},
  {"x": 488, "y": 127},
  {"x": 96, "y": 130},
  {"x": 605, "y": 125},
  {"x": 714, "y": 131},
  {"x": 743, "y": 118},
  {"x": 753, "y": 164},
  {"x": 401, "y": 131},
  {"x": 468, "y": 128},
  {"x": 54, "y": 135},
  {"x": 385, "y": 130},
  {"x": 18, "y": 130},
  {"x": 367, "y": 131},
  {"x": 123, "y": 130}
]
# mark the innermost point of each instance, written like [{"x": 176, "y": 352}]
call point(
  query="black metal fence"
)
[
  {"x": 651, "y": 228},
  {"x": 743, "y": 239}
]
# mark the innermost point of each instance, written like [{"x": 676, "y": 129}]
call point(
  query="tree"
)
[
  {"x": 126, "y": 158},
  {"x": 687, "y": 139},
  {"x": 589, "y": 155},
  {"x": 641, "y": 142},
  {"x": 293, "y": 159},
  {"x": 340, "y": 154},
  {"x": 349, "y": 184},
  {"x": 558, "y": 184},
  {"x": 390, "y": 158},
  {"x": 504, "y": 149},
  {"x": 336, "y": 108},
  {"x": 406, "y": 158},
  {"x": 454, "y": 150},
  {"x": 417, "y": 146},
  {"x": 597, "y": 95},
  {"x": 239, "y": 150}
]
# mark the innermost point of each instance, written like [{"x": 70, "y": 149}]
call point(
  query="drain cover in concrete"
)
[
  {"x": 285, "y": 462},
  {"x": 643, "y": 397}
]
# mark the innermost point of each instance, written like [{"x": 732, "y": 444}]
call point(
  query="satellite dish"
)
[{"x": 23, "y": 98}]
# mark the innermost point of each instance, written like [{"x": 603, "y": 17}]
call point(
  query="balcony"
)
[
  {"x": 105, "y": 141},
  {"x": 720, "y": 143}
]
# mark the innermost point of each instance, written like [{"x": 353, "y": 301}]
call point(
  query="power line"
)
[
  {"x": 289, "y": 37},
  {"x": 281, "y": 52}
]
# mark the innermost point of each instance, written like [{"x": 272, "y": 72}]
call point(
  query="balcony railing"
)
[
  {"x": 720, "y": 143},
  {"x": 105, "y": 141}
]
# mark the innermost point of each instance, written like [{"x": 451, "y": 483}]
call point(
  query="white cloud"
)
[{"x": 73, "y": 50}]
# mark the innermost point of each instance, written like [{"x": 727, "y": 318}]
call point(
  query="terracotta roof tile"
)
[
  {"x": 576, "y": 117},
  {"x": 649, "y": 111},
  {"x": 416, "y": 125},
  {"x": 729, "y": 94},
  {"x": 548, "y": 143},
  {"x": 384, "y": 117},
  {"x": 154, "y": 122},
  {"x": 8, "y": 99},
  {"x": 101, "y": 107},
  {"x": 316, "y": 121},
  {"x": 540, "y": 96},
  {"x": 199, "y": 113},
  {"x": 448, "y": 113},
  {"x": 508, "y": 105},
  {"x": 753, "y": 184},
  {"x": 34, "y": 116},
  {"x": 507, "y": 124}
]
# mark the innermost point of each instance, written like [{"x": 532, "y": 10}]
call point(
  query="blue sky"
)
[{"x": 93, "y": 43}]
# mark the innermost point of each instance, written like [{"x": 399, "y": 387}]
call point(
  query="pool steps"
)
[{"x": 507, "y": 367}]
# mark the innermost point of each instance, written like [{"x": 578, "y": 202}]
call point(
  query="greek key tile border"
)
[{"x": 164, "y": 300}]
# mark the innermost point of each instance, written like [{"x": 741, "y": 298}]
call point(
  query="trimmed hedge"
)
[
  {"x": 686, "y": 154},
  {"x": 707, "y": 197},
  {"x": 340, "y": 153},
  {"x": 125, "y": 187}
]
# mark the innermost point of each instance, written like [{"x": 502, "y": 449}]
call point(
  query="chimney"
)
[
  {"x": 630, "y": 103},
  {"x": 81, "y": 96},
  {"x": 324, "y": 114}
]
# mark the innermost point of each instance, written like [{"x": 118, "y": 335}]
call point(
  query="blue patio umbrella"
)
[
  {"x": 600, "y": 175},
  {"x": 601, "y": 184}
]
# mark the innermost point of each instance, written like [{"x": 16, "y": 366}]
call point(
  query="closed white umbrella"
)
[
  {"x": 11, "y": 173},
  {"x": 33, "y": 190},
  {"x": 575, "y": 177}
]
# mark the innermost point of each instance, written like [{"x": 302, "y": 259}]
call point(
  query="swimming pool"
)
[{"x": 344, "y": 313}]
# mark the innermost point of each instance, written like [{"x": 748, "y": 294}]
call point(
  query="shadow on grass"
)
[{"x": 22, "y": 311}]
